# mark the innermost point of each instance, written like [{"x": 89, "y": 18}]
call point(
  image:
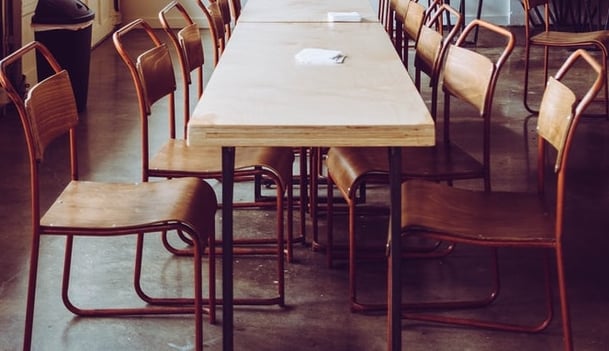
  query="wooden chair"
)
[
  {"x": 414, "y": 17},
  {"x": 152, "y": 73},
  {"x": 431, "y": 46},
  {"x": 225, "y": 13},
  {"x": 217, "y": 31},
  {"x": 395, "y": 22},
  {"x": 188, "y": 45},
  {"x": 235, "y": 9},
  {"x": 512, "y": 220},
  {"x": 469, "y": 77},
  {"x": 407, "y": 25},
  {"x": 429, "y": 51},
  {"x": 462, "y": 11},
  {"x": 94, "y": 209},
  {"x": 539, "y": 12}
]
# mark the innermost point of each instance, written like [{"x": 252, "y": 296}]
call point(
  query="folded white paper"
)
[
  {"x": 344, "y": 17},
  {"x": 315, "y": 56}
]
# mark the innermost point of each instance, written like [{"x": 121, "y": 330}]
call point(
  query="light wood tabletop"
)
[
  {"x": 303, "y": 10},
  {"x": 259, "y": 95}
]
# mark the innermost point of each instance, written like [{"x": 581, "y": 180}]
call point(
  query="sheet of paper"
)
[
  {"x": 344, "y": 17},
  {"x": 316, "y": 56}
]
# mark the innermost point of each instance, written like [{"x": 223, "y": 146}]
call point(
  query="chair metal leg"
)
[
  {"x": 304, "y": 193},
  {"x": 527, "y": 54},
  {"x": 363, "y": 307},
  {"x": 192, "y": 305},
  {"x": 330, "y": 223},
  {"x": 211, "y": 301},
  {"x": 478, "y": 15},
  {"x": 313, "y": 197},
  {"x": 564, "y": 304},
  {"x": 31, "y": 293},
  {"x": 535, "y": 328}
]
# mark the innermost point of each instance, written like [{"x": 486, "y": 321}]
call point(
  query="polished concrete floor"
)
[{"x": 316, "y": 315}]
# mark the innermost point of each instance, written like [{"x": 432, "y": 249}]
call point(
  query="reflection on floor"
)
[{"x": 317, "y": 315}]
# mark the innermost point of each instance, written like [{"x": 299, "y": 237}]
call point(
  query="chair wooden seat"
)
[
  {"x": 352, "y": 166},
  {"x": 113, "y": 208},
  {"x": 542, "y": 30},
  {"x": 477, "y": 215},
  {"x": 571, "y": 39},
  {"x": 176, "y": 157}
]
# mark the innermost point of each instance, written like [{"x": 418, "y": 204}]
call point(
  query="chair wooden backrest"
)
[
  {"x": 217, "y": 31},
  {"x": 225, "y": 13},
  {"x": 53, "y": 96},
  {"x": 153, "y": 76},
  {"x": 472, "y": 77},
  {"x": 559, "y": 113},
  {"x": 414, "y": 17},
  {"x": 413, "y": 20},
  {"x": 235, "y": 8},
  {"x": 432, "y": 44},
  {"x": 431, "y": 47},
  {"x": 189, "y": 47}
]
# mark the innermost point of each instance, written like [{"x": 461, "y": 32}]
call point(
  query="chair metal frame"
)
[
  {"x": 177, "y": 159},
  {"x": 550, "y": 38},
  {"x": 216, "y": 21},
  {"x": 431, "y": 46},
  {"x": 348, "y": 168},
  {"x": 186, "y": 205},
  {"x": 511, "y": 220},
  {"x": 188, "y": 46}
]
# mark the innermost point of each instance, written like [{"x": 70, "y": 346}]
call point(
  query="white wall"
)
[
  {"x": 27, "y": 35},
  {"x": 149, "y": 11}
]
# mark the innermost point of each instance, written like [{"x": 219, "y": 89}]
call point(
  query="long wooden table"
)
[{"x": 259, "y": 95}]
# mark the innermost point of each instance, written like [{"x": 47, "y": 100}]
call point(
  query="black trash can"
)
[{"x": 64, "y": 27}]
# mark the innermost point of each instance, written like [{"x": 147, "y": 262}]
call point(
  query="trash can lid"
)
[{"x": 62, "y": 12}]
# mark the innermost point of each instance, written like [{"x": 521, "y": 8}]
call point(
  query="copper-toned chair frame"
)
[
  {"x": 394, "y": 15},
  {"x": 250, "y": 246},
  {"x": 235, "y": 9},
  {"x": 438, "y": 249},
  {"x": 35, "y": 150},
  {"x": 555, "y": 39},
  {"x": 560, "y": 138},
  {"x": 189, "y": 64},
  {"x": 429, "y": 19},
  {"x": 217, "y": 31},
  {"x": 429, "y": 59}
]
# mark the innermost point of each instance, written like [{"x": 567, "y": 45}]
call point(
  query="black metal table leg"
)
[
  {"x": 394, "y": 288},
  {"x": 228, "y": 166}
]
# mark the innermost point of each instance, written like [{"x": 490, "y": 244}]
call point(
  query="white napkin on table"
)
[
  {"x": 344, "y": 17},
  {"x": 316, "y": 56}
]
